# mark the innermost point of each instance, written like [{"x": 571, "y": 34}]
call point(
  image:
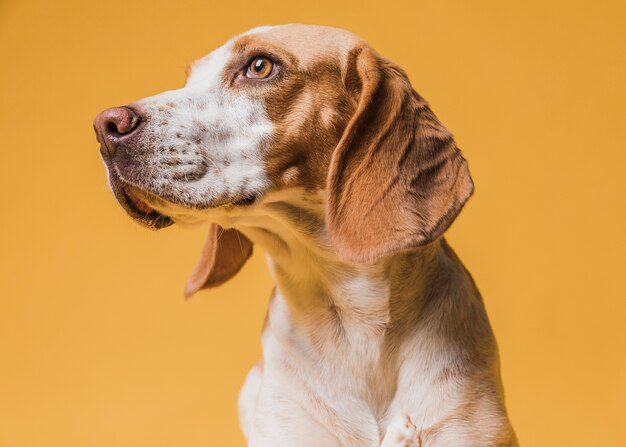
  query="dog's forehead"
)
[{"x": 306, "y": 44}]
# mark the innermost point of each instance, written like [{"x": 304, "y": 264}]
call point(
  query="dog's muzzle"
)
[{"x": 115, "y": 127}]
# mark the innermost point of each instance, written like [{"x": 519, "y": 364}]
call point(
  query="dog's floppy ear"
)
[
  {"x": 396, "y": 179},
  {"x": 223, "y": 254}
]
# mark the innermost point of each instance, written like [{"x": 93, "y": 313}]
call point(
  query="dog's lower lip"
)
[
  {"x": 137, "y": 202},
  {"x": 143, "y": 212}
]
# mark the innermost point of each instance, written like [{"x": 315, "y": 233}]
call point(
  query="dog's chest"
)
[
  {"x": 335, "y": 333},
  {"x": 329, "y": 366}
]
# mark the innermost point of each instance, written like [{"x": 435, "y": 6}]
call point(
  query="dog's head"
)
[{"x": 292, "y": 106}]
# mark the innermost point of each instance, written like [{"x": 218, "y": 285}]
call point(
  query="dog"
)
[{"x": 303, "y": 140}]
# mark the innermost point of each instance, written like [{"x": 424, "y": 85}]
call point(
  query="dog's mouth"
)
[
  {"x": 143, "y": 212},
  {"x": 135, "y": 206},
  {"x": 132, "y": 199}
]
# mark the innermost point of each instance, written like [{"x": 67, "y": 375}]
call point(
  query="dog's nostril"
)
[{"x": 112, "y": 128}]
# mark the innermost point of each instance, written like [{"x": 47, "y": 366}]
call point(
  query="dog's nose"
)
[{"x": 113, "y": 125}]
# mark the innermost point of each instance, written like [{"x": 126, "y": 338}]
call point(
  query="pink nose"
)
[{"x": 114, "y": 125}]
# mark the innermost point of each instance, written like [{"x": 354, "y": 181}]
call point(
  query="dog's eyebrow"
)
[{"x": 252, "y": 45}]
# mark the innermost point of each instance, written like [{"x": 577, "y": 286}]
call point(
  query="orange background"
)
[{"x": 97, "y": 345}]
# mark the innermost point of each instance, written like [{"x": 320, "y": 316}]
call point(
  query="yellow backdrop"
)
[{"x": 97, "y": 345}]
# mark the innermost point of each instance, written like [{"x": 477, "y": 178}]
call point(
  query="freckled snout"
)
[{"x": 113, "y": 126}]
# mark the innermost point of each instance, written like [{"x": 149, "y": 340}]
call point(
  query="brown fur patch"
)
[{"x": 397, "y": 180}]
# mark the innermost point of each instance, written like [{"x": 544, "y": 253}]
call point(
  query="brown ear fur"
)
[
  {"x": 396, "y": 179},
  {"x": 224, "y": 253}
]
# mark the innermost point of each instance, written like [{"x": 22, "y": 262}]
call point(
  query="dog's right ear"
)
[{"x": 224, "y": 253}]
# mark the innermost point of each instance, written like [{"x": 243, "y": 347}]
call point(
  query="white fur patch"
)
[{"x": 206, "y": 142}]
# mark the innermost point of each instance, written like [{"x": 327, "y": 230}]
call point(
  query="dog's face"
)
[
  {"x": 290, "y": 107},
  {"x": 263, "y": 112}
]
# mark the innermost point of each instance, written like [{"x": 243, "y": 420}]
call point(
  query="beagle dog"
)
[{"x": 303, "y": 140}]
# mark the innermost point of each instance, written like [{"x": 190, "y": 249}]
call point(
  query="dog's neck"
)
[{"x": 316, "y": 284}]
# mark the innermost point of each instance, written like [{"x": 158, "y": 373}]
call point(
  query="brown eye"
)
[{"x": 260, "y": 68}]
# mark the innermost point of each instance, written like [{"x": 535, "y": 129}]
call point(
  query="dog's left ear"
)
[
  {"x": 396, "y": 179},
  {"x": 224, "y": 253}
]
